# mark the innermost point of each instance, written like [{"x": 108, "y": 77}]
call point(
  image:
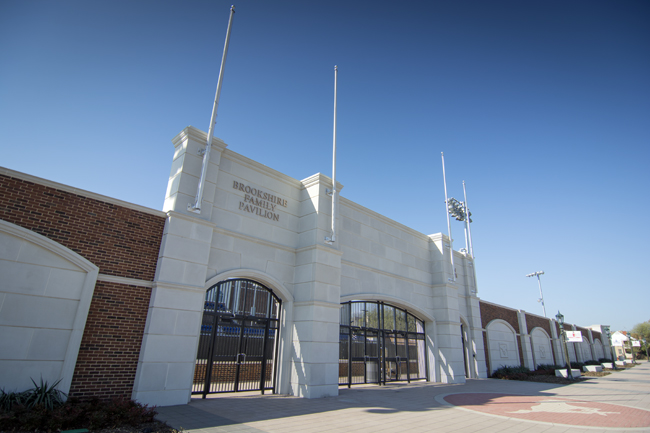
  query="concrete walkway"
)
[{"x": 619, "y": 402}]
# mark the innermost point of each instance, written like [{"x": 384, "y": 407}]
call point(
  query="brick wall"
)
[
  {"x": 533, "y": 322},
  {"x": 584, "y": 331},
  {"x": 122, "y": 242},
  {"x": 489, "y": 312},
  {"x": 110, "y": 347}
]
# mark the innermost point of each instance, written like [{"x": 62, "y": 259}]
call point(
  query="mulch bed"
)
[{"x": 584, "y": 376}]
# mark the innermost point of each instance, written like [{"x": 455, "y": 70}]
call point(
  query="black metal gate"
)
[
  {"x": 380, "y": 343},
  {"x": 238, "y": 341}
]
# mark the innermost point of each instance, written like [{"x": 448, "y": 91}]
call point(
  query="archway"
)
[
  {"x": 380, "y": 343},
  {"x": 503, "y": 349},
  {"x": 238, "y": 341},
  {"x": 542, "y": 352}
]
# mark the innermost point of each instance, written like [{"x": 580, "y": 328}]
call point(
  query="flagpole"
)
[
  {"x": 332, "y": 239},
  {"x": 471, "y": 247},
  {"x": 467, "y": 221},
  {"x": 196, "y": 207},
  {"x": 451, "y": 244}
]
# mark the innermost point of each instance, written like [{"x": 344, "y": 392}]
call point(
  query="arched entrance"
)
[
  {"x": 380, "y": 343},
  {"x": 238, "y": 341}
]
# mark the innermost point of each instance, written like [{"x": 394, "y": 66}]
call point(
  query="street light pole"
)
[
  {"x": 541, "y": 295},
  {"x": 560, "y": 321},
  {"x": 611, "y": 348},
  {"x": 629, "y": 338}
]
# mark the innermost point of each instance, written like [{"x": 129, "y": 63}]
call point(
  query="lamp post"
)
[
  {"x": 541, "y": 295},
  {"x": 560, "y": 320},
  {"x": 611, "y": 348}
]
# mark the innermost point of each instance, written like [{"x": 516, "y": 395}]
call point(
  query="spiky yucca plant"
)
[{"x": 44, "y": 394}]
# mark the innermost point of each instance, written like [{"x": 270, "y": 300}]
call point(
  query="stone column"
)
[
  {"x": 169, "y": 344},
  {"x": 577, "y": 350},
  {"x": 186, "y": 172},
  {"x": 526, "y": 346},
  {"x": 558, "y": 348},
  {"x": 317, "y": 297},
  {"x": 168, "y": 351},
  {"x": 449, "y": 353}
]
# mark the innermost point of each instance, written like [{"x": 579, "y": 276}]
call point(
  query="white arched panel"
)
[
  {"x": 45, "y": 296},
  {"x": 503, "y": 350},
  {"x": 598, "y": 350},
  {"x": 542, "y": 352},
  {"x": 585, "y": 347}
]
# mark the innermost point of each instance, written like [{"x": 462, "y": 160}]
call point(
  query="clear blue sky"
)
[{"x": 542, "y": 107}]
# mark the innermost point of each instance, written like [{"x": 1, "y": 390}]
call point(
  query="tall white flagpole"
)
[
  {"x": 467, "y": 221},
  {"x": 196, "y": 207},
  {"x": 451, "y": 243},
  {"x": 332, "y": 239},
  {"x": 469, "y": 231}
]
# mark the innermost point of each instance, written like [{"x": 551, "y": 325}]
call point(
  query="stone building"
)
[{"x": 245, "y": 295}]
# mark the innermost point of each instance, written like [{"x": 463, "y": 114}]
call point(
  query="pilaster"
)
[
  {"x": 558, "y": 348},
  {"x": 168, "y": 352},
  {"x": 317, "y": 297},
  {"x": 524, "y": 337},
  {"x": 185, "y": 173}
]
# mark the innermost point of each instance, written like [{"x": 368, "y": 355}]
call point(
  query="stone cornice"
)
[
  {"x": 175, "y": 286},
  {"x": 195, "y": 134},
  {"x": 191, "y": 218},
  {"x": 254, "y": 165},
  {"x": 319, "y": 247},
  {"x": 123, "y": 280},
  {"x": 80, "y": 192},
  {"x": 386, "y": 220},
  {"x": 320, "y": 178}
]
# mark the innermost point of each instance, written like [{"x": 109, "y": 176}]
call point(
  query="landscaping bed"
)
[
  {"x": 46, "y": 409},
  {"x": 546, "y": 373}
]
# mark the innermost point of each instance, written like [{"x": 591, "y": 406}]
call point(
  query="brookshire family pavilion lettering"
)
[{"x": 259, "y": 202}]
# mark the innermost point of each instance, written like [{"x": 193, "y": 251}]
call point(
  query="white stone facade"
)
[{"x": 260, "y": 224}]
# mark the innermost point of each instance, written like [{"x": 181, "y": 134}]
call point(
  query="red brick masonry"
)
[
  {"x": 533, "y": 322},
  {"x": 122, "y": 242},
  {"x": 110, "y": 347},
  {"x": 490, "y": 312},
  {"x": 553, "y": 410}
]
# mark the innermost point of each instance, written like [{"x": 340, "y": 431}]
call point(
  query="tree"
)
[{"x": 641, "y": 332}]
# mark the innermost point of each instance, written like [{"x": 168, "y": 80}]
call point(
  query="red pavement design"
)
[{"x": 552, "y": 410}]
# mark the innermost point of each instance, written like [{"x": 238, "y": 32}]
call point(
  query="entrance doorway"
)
[
  {"x": 238, "y": 341},
  {"x": 380, "y": 343}
]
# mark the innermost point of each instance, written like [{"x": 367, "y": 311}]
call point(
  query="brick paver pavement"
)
[{"x": 619, "y": 402}]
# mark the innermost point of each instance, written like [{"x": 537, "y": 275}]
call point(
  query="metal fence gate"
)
[
  {"x": 238, "y": 341},
  {"x": 380, "y": 343}
]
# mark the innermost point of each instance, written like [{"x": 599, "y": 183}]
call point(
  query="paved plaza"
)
[{"x": 619, "y": 402}]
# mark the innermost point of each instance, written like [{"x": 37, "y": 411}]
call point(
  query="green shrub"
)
[
  {"x": 601, "y": 360},
  {"x": 92, "y": 414},
  {"x": 9, "y": 399},
  {"x": 592, "y": 362},
  {"x": 548, "y": 367},
  {"x": 503, "y": 371},
  {"x": 41, "y": 395}
]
